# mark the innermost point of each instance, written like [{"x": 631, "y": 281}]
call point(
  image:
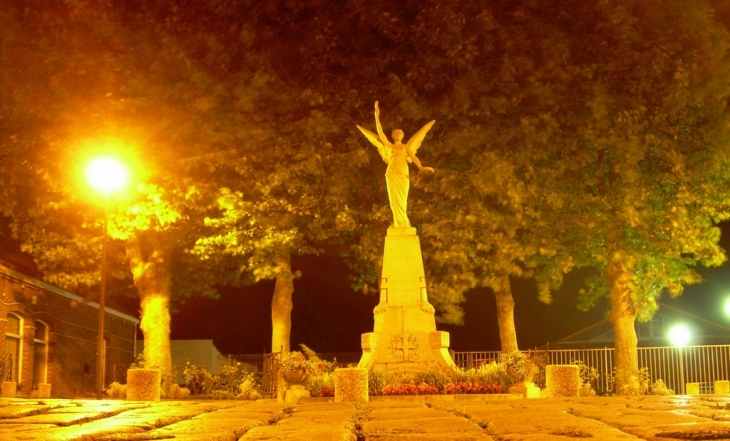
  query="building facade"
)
[{"x": 51, "y": 337}]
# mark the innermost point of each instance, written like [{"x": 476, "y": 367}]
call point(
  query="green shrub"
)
[
  {"x": 232, "y": 382},
  {"x": 116, "y": 390},
  {"x": 400, "y": 389},
  {"x": 319, "y": 379},
  {"x": 433, "y": 378},
  {"x": 588, "y": 375},
  {"x": 198, "y": 380},
  {"x": 378, "y": 379},
  {"x": 488, "y": 373},
  {"x": 175, "y": 392},
  {"x": 249, "y": 388},
  {"x": 476, "y": 387},
  {"x": 659, "y": 388}
]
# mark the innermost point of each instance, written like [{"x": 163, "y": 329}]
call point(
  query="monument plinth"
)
[{"x": 404, "y": 338}]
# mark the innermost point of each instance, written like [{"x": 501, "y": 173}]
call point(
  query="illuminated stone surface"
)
[
  {"x": 599, "y": 418},
  {"x": 404, "y": 338}
]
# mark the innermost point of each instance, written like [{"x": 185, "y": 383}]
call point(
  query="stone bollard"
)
[
  {"x": 43, "y": 391},
  {"x": 9, "y": 389},
  {"x": 143, "y": 384},
  {"x": 525, "y": 388},
  {"x": 562, "y": 380},
  {"x": 722, "y": 387},
  {"x": 351, "y": 385},
  {"x": 692, "y": 388}
]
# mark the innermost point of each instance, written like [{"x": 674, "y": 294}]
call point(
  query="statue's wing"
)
[
  {"x": 383, "y": 149},
  {"x": 415, "y": 142}
]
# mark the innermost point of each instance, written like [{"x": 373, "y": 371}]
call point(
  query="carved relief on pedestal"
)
[
  {"x": 370, "y": 340},
  {"x": 439, "y": 339},
  {"x": 380, "y": 309},
  {"x": 405, "y": 347},
  {"x": 427, "y": 308}
]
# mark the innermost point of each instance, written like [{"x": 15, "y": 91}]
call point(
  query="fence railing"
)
[{"x": 676, "y": 366}]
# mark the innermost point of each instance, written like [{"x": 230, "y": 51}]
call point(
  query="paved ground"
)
[{"x": 705, "y": 417}]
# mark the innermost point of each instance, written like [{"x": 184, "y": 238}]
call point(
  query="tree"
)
[
  {"x": 93, "y": 78},
  {"x": 641, "y": 153}
]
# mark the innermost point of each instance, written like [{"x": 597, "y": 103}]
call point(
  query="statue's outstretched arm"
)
[{"x": 383, "y": 138}]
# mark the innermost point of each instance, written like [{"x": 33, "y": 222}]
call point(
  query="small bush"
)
[
  {"x": 476, "y": 387},
  {"x": 234, "y": 382},
  {"x": 198, "y": 380},
  {"x": 378, "y": 379},
  {"x": 433, "y": 378},
  {"x": 487, "y": 373},
  {"x": 638, "y": 382},
  {"x": 428, "y": 389},
  {"x": 319, "y": 379},
  {"x": 588, "y": 375},
  {"x": 116, "y": 390},
  {"x": 327, "y": 391},
  {"x": 249, "y": 388},
  {"x": 400, "y": 389},
  {"x": 659, "y": 388},
  {"x": 175, "y": 392}
]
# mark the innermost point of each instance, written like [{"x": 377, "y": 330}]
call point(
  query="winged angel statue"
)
[{"x": 397, "y": 155}]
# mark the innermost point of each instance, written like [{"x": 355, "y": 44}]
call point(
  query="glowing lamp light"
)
[
  {"x": 679, "y": 335},
  {"x": 727, "y": 307},
  {"x": 106, "y": 174}
]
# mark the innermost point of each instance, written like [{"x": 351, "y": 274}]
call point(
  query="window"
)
[
  {"x": 13, "y": 345},
  {"x": 40, "y": 353}
]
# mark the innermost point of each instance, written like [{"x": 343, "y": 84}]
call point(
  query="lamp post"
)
[
  {"x": 106, "y": 175},
  {"x": 679, "y": 336}
]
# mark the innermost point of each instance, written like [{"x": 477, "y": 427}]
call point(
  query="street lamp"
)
[
  {"x": 680, "y": 335},
  {"x": 105, "y": 175}
]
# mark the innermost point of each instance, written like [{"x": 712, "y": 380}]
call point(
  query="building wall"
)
[{"x": 73, "y": 334}]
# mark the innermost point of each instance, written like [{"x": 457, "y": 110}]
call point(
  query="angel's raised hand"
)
[{"x": 377, "y": 109}]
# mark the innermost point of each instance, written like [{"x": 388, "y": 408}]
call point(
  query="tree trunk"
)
[
  {"x": 152, "y": 279},
  {"x": 623, "y": 316},
  {"x": 281, "y": 304},
  {"x": 505, "y": 314}
]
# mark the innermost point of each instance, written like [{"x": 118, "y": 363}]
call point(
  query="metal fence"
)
[
  {"x": 268, "y": 364},
  {"x": 676, "y": 366}
]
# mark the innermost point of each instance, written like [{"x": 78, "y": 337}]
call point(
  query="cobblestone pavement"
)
[{"x": 703, "y": 417}]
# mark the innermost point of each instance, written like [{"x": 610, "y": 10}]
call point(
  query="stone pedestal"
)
[
  {"x": 526, "y": 388},
  {"x": 404, "y": 338},
  {"x": 295, "y": 393}
]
